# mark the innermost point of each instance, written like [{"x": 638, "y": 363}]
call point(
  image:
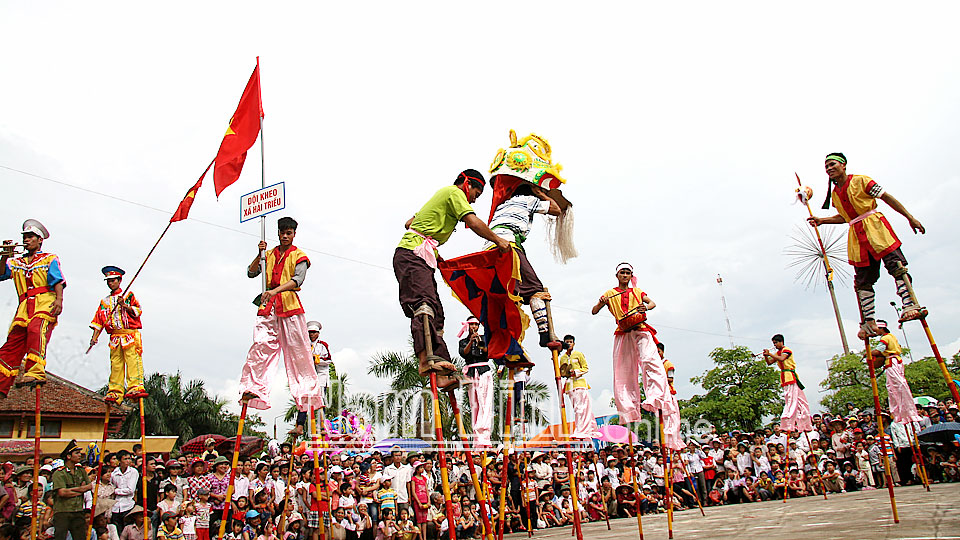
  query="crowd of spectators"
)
[{"x": 397, "y": 495}]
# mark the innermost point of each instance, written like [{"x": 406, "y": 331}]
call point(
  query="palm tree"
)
[
  {"x": 405, "y": 410},
  {"x": 184, "y": 410},
  {"x": 336, "y": 398}
]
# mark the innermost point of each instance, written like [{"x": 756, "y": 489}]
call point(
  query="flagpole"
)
[{"x": 263, "y": 184}]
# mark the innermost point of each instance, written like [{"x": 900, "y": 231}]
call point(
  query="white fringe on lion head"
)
[{"x": 560, "y": 236}]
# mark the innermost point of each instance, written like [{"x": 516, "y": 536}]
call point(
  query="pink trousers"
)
[
  {"x": 635, "y": 352},
  {"x": 585, "y": 426},
  {"x": 796, "y": 410},
  {"x": 902, "y": 407},
  {"x": 481, "y": 407},
  {"x": 671, "y": 423},
  {"x": 272, "y": 337}
]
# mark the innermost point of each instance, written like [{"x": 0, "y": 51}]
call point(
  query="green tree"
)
[
  {"x": 405, "y": 410},
  {"x": 848, "y": 379},
  {"x": 186, "y": 410},
  {"x": 740, "y": 390},
  {"x": 926, "y": 378}
]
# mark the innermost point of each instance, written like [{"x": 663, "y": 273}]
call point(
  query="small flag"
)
[
  {"x": 184, "y": 209},
  {"x": 241, "y": 134}
]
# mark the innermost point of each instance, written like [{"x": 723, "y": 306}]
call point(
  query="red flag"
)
[
  {"x": 240, "y": 136},
  {"x": 184, "y": 209}
]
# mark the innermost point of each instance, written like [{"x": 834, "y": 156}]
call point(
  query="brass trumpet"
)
[{"x": 9, "y": 250}]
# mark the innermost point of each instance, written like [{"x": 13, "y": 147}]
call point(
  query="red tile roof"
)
[{"x": 58, "y": 396}]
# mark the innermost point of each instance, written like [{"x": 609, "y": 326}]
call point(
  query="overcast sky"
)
[{"x": 679, "y": 127}]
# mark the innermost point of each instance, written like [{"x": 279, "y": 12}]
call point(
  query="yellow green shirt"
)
[
  {"x": 575, "y": 361},
  {"x": 892, "y": 349},
  {"x": 438, "y": 218}
]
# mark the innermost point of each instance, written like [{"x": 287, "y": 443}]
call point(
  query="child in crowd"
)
[
  {"x": 188, "y": 520},
  {"x": 203, "y": 509}
]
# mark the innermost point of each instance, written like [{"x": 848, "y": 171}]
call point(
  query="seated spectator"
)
[
  {"x": 851, "y": 477},
  {"x": 626, "y": 501},
  {"x": 796, "y": 486}
]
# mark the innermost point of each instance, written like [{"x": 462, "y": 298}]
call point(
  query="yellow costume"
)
[
  {"x": 280, "y": 271},
  {"x": 123, "y": 325},
  {"x": 870, "y": 233},
  {"x": 574, "y": 367}
]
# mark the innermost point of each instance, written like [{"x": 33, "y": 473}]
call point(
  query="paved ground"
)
[{"x": 861, "y": 515}]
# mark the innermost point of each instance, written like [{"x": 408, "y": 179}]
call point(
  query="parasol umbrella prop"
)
[
  {"x": 923, "y": 401},
  {"x": 196, "y": 446},
  {"x": 944, "y": 432}
]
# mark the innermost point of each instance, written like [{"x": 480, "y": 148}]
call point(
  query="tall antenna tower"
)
[{"x": 726, "y": 314}]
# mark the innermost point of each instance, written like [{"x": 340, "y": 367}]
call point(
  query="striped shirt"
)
[{"x": 514, "y": 217}]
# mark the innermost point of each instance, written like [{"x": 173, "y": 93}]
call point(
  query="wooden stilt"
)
[
  {"x": 438, "y": 430},
  {"x": 786, "y": 469},
  {"x": 526, "y": 462},
  {"x": 319, "y": 485},
  {"x": 507, "y": 426},
  {"x": 696, "y": 494},
  {"x": 667, "y": 474},
  {"x": 96, "y": 482},
  {"x": 481, "y": 498},
  {"x": 35, "y": 496},
  {"x": 636, "y": 489},
  {"x": 918, "y": 456},
  {"x": 286, "y": 496},
  {"x": 233, "y": 468},
  {"x": 816, "y": 470},
  {"x": 933, "y": 343},
  {"x": 564, "y": 427},
  {"x": 876, "y": 405},
  {"x": 324, "y": 448},
  {"x": 596, "y": 468},
  {"x": 143, "y": 472}
]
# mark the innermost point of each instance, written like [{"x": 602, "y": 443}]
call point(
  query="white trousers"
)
[
  {"x": 671, "y": 423},
  {"x": 585, "y": 426},
  {"x": 899, "y": 395},
  {"x": 636, "y": 353},
  {"x": 272, "y": 337},
  {"x": 796, "y": 410},
  {"x": 481, "y": 407}
]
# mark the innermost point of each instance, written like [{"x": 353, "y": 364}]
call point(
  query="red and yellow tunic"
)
[
  {"x": 872, "y": 235},
  {"x": 280, "y": 269},
  {"x": 117, "y": 321},
  {"x": 668, "y": 367},
  {"x": 574, "y": 362},
  {"x": 34, "y": 281},
  {"x": 788, "y": 368},
  {"x": 624, "y": 305},
  {"x": 892, "y": 349}
]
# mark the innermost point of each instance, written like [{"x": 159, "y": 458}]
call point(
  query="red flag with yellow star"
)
[
  {"x": 241, "y": 134},
  {"x": 184, "y": 209}
]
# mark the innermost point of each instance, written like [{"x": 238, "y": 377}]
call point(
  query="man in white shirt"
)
[
  {"x": 778, "y": 436},
  {"x": 125, "y": 479},
  {"x": 695, "y": 457},
  {"x": 401, "y": 474}
]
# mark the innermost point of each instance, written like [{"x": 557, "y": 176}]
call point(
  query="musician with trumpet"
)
[
  {"x": 634, "y": 348},
  {"x": 39, "y": 283},
  {"x": 119, "y": 316}
]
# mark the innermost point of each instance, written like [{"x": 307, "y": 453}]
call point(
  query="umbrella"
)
[
  {"x": 923, "y": 401},
  {"x": 944, "y": 432},
  {"x": 404, "y": 444},
  {"x": 195, "y": 445},
  {"x": 617, "y": 434}
]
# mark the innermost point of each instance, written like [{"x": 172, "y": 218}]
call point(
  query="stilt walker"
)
[
  {"x": 667, "y": 473},
  {"x": 888, "y": 477},
  {"x": 39, "y": 284},
  {"x": 481, "y": 498},
  {"x": 103, "y": 450},
  {"x": 888, "y": 356},
  {"x": 573, "y": 367},
  {"x": 564, "y": 426},
  {"x": 803, "y": 195},
  {"x": 796, "y": 409}
]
